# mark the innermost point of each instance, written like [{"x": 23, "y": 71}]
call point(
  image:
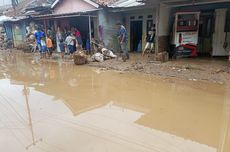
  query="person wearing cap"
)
[{"x": 123, "y": 40}]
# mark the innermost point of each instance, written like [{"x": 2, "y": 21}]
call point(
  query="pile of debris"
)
[
  {"x": 4, "y": 41},
  {"x": 101, "y": 53},
  {"x": 2, "y": 36},
  {"x": 80, "y": 58},
  {"x": 30, "y": 45},
  {"x": 162, "y": 56}
]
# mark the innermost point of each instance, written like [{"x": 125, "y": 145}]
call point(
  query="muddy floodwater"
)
[{"x": 55, "y": 106}]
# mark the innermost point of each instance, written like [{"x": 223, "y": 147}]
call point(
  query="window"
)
[
  {"x": 140, "y": 17},
  {"x": 132, "y": 17},
  {"x": 150, "y": 16}
]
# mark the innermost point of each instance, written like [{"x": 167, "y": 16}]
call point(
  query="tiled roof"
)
[
  {"x": 105, "y": 2},
  {"x": 126, "y": 3}
]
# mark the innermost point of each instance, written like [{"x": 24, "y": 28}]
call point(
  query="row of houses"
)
[{"x": 98, "y": 20}]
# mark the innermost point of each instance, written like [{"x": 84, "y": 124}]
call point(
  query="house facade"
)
[
  {"x": 99, "y": 22},
  {"x": 135, "y": 16},
  {"x": 213, "y": 24}
]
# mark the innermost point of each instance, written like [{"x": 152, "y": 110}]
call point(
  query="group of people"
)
[
  {"x": 73, "y": 41},
  {"x": 70, "y": 44}
]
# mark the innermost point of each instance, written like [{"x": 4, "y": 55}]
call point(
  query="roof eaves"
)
[
  {"x": 125, "y": 9},
  {"x": 126, "y": 3},
  {"x": 87, "y": 1},
  {"x": 64, "y": 14},
  {"x": 92, "y": 3}
]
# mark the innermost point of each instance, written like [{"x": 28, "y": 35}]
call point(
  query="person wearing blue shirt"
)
[
  {"x": 123, "y": 40},
  {"x": 38, "y": 36}
]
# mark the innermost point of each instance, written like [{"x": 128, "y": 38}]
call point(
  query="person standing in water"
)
[
  {"x": 70, "y": 39},
  {"x": 62, "y": 48},
  {"x": 49, "y": 45},
  {"x": 39, "y": 35}
]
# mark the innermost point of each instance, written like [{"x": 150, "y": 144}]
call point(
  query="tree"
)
[{"x": 14, "y": 3}]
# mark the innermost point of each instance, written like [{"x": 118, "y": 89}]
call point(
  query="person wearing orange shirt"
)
[{"x": 49, "y": 44}]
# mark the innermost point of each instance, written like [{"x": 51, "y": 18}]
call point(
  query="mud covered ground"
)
[
  {"x": 52, "y": 105},
  {"x": 215, "y": 70}
]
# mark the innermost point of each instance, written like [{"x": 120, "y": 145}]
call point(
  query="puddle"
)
[{"x": 57, "y": 106}]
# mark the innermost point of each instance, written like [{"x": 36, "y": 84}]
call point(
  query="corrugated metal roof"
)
[
  {"x": 184, "y": 2},
  {"x": 126, "y": 3}
]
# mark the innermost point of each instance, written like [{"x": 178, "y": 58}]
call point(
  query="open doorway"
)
[
  {"x": 82, "y": 24},
  {"x": 206, "y": 29},
  {"x": 136, "y": 35}
]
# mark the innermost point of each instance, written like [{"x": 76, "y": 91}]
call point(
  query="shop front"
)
[{"x": 211, "y": 33}]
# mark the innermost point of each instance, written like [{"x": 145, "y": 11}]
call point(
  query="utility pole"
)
[{"x": 26, "y": 93}]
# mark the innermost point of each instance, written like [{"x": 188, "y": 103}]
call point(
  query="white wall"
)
[
  {"x": 108, "y": 22},
  {"x": 219, "y": 34},
  {"x": 145, "y": 14}
]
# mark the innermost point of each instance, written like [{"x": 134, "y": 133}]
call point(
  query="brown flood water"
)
[{"x": 60, "y": 107}]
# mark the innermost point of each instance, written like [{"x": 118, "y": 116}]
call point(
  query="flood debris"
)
[
  {"x": 101, "y": 53},
  {"x": 5, "y": 42},
  {"x": 108, "y": 53},
  {"x": 201, "y": 70},
  {"x": 98, "y": 57},
  {"x": 80, "y": 58},
  {"x": 138, "y": 66},
  {"x": 162, "y": 56},
  {"x": 219, "y": 71}
]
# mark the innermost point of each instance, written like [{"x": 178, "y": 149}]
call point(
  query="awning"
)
[
  {"x": 63, "y": 15},
  {"x": 177, "y": 3},
  {"x": 4, "y": 18}
]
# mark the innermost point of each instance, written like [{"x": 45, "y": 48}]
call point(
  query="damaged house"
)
[{"x": 16, "y": 29}]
